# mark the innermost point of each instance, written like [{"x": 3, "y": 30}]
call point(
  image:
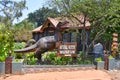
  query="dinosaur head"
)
[{"x": 62, "y": 25}]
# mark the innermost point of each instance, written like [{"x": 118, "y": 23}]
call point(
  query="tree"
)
[
  {"x": 23, "y": 27},
  {"x": 6, "y": 42},
  {"x": 98, "y": 11},
  {"x": 11, "y": 10},
  {"x": 40, "y": 15},
  {"x": 24, "y": 24},
  {"x": 103, "y": 15}
]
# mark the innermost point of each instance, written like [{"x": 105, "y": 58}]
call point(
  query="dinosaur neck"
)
[{"x": 58, "y": 35}]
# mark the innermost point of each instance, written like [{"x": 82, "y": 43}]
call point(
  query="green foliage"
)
[
  {"x": 110, "y": 56},
  {"x": 88, "y": 60},
  {"x": 11, "y": 10},
  {"x": 98, "y": 59},
  {"x": 49, "y": 55},
  {"x": 104, "y": 15},
  {"x": 62, "y": 60},
  {"x": 19, "y": 45},
  {"x": 30, "y": 59},
  {"x": 57, "y": 60},
  {"x": 79, "y": 60},
  {"x": 106, "y": 37},
  {"x": 25, "y": 24},
  {"x": 22, "y": 34},
  {"x": 18, "y": 60},
  {"x": 40, "y": 15},
  {"x": 50, "y": 58},
  {"x": 22, "y": 30},
  {"x": 6, "y": 42}
]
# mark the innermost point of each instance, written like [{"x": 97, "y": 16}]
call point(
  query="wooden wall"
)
[{"x": 67, "y": 36}]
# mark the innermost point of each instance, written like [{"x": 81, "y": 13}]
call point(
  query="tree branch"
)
[{"x": 96, "y": 36}]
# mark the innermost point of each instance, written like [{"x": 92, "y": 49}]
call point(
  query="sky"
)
[{"x": 32, "y": 6}]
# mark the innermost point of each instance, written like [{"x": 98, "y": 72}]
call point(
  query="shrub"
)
[
  {"x": 19, "y": 45},
  {"x": 30, "y": 59},
  {"x": 6, "y": 42},
  {"x": 50, "y": 58}
]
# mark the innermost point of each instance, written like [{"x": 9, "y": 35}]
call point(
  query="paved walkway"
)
[{"x": 61, "y": 75}]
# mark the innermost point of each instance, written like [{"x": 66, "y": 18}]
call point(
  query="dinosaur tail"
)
[{"x": 27, "y": 49}]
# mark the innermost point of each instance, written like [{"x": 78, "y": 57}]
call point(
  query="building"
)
[{"x": 74, "y": 34}]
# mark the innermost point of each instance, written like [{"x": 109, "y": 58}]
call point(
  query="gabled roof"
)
[
  {"x": 73, "y": 23},
  {"x": 37, "y": 29},
  {"x": 53, "y": 21}
]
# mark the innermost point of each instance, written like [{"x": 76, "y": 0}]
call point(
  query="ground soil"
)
[
  {"x": 64, "y": 75},
  {"x": 115, "y": 74}
]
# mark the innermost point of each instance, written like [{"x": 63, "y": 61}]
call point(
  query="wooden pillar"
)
[
  {"x": 106, "y": 61},
  {"x": 8, "y": 65}
]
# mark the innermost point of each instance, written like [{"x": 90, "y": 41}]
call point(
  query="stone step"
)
[{"x": 53, "y": 68}]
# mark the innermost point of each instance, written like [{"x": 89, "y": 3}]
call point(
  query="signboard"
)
[{"x": 67, "y": 49}]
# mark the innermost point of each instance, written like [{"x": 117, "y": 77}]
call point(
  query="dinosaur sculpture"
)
[
  {"x": 46, "y": 43},
  {"x": 29, "y": 43}
]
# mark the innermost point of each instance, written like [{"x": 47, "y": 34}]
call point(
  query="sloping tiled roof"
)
[
  {"x": 53, "y": 21},
  {"x": 73, "y": 23},
  {"x": 37, "y": 29}
]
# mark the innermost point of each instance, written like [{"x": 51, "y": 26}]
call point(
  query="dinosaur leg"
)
[
  {"x": 39, "y": 61},
  {"x": 38, "y": 55}
]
